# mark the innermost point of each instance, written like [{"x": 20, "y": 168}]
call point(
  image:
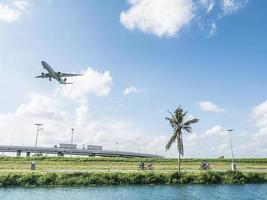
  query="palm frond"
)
[
  {"x": 179, "y": 115},
  {"x": 171, "y": 122},
  {"x": 173, "y": 117},
  {"x": 192, "y": 121},
  {"x": 171, "y": 141},
  {"x": 188, "y": 129}
]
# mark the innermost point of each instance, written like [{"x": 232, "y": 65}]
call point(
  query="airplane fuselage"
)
[
  {"x": 58, "y": 76},
  {"x": 52, "y": 73}
]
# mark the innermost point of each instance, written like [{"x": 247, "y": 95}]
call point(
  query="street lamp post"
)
[
  {"x": 71, "y": 141},
  {"x": 72, "y": 132},
  {"x": 33, "y": 165},
  {"x": 117, "y": 146},
  {"x": 233, "y": 165},
  {"x": 37, "y": 134}
]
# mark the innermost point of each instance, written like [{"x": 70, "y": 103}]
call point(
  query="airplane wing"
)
[
  {"x": 43, "y": 75},
  {"x": 69, "y": 75}
]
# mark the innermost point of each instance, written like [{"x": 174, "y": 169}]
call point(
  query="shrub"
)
[
  {"x": 100, "y": 178},
  {"x": 48, "y": 179},
  {"x": 175, "y": 178},
  {"x": 10, "y": 180},
  {"x": 28, "y": 179},
  {"x": 234, "y": 177},
  {"x": 256, "y": 177},
  {"x": 209, "y": 177}
]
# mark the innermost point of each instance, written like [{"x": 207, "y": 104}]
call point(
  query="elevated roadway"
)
[{"x": 64, "y": 151}]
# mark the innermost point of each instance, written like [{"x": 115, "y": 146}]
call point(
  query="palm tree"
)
[{"x": 180, "y": 126}]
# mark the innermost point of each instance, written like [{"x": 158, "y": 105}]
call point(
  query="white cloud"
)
[
  {"x": 11, "y": 12},
  {"x": 169, "y": 17},
  {"x": 82, "y": 115},
  {"x": 227, "y": 6},
  {"x": 223, "y": 147},
  {"x": 259, "y": 114},
  {"x": 210, "y": 8},
  {"x": 191, "y": 139},
  {"x": 209, "y": 106},
  {"x": 22, "y": 4},
  {"x": 215, "y": 142},
  {"x": 213, "y": 29},
  {"x": 18, "y": 128},
  {"x": 207, "y": 4},
  {"x": 214, "y": 11},
  {"x": 91, "y": 82},
  {"x": 256, "y": 144},
  {"x": 131, "y": 90},
  {"x": 162, "y": 18},
  {"x": 230, "y": 6},
  {"x": 8, "y": 14},
  {"x": 41, "y": 106},
  {"x": 108, "y": 132},
  {"x": 215, "y": 130}
]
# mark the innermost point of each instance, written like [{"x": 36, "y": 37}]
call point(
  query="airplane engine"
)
[
  {"x": 43, "y": 75},
  {"x": 59, "y": 73},
  {"x": 65, "y": 79}
]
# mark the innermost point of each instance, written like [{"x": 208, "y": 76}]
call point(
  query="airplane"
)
[{"x": 52, "y": 74}]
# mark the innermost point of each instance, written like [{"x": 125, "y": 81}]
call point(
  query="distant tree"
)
[{"x": 179, "y": 126}]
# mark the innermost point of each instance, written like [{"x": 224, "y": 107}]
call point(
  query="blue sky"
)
[{"x": 209, "y": 53}]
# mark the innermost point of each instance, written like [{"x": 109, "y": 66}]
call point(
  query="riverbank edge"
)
[{"x": 35, "y": 179}]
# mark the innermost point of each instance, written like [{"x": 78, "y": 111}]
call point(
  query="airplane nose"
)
[{"x": 43, "y": 63}]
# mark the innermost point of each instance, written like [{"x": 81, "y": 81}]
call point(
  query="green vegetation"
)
[
  {"x": 83, "y": 171},
  {"x": 117, "y": 178},
  {"x": 179, "y": 126},
  {"x": 44, "y": 164}
]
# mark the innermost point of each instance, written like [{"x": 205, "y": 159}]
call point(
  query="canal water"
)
[{"x": 159, "y": 192}]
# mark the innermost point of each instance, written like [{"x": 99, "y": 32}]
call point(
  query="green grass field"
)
[{"x": 11, "y": 164}]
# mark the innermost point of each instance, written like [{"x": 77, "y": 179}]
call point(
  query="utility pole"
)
[{"x": 233, "y": 165}]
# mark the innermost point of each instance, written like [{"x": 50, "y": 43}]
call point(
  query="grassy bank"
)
[
  {"x": 89, "y": 179},
  {"x": 14, "y": 164}
]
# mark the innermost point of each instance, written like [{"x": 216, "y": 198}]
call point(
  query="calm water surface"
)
[{"x": 207, "y": 192}]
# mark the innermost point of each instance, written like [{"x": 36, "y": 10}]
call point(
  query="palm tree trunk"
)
[{"x": 179, "y": 163}]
